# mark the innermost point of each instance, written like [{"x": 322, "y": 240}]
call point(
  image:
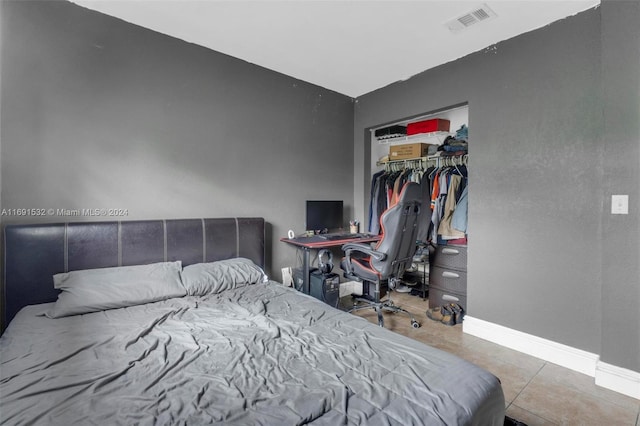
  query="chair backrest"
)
[{"x": 399, "y": 230}]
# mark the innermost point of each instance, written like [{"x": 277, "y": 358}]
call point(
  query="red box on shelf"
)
[{"x": 428, "y": 126}]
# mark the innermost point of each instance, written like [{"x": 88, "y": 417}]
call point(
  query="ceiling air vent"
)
[{"x": 482, "y": 13}]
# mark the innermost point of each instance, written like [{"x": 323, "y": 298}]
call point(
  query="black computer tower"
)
[
  {"x": 325, "y": 287},
  {"x": 298, "y": 277}
]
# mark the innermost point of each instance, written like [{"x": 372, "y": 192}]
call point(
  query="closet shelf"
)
[{"x": 432, "y": 138}]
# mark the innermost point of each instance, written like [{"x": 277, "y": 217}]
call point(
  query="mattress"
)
[{"x": 260, "y": 354}]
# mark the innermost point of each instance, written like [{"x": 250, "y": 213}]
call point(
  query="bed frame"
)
[{"x": 35, "y": 252}]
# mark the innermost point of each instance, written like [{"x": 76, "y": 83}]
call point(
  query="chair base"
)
[{"x": 381, "y": 306}]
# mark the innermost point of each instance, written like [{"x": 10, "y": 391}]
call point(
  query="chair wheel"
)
[{"x": 415, "y": 324}]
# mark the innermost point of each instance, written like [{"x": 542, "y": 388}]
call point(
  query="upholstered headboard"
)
[{"x": 35, "y": 252}]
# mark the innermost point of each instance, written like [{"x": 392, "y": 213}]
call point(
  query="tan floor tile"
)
[
  {"x": 513, "y": 378},
  {"x": 583, "y": 383},
  {"x": 527, "y": 417},
  {"x": 564, "y": 405}
]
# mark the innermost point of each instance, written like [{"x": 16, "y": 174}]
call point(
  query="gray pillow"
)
[
  {"x": 93, "y": 290},
  {"x": 205, "y": 278}
]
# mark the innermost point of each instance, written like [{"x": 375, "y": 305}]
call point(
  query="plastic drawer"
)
[
  {"x": 450, "y": 279},
  {"x": 451, "y": 256},
  {"x": 439, "y": 297}
]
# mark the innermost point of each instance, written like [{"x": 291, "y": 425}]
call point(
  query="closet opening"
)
[{"x": 432, "y": 150}]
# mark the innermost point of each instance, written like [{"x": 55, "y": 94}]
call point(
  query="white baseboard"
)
[
  {"x": 608, "y": 376},
  {"x": 618, "y": 379},
  {"x": 557, "y": 353}
]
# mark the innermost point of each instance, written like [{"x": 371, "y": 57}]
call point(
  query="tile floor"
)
[{"x": 536, "y": 392}]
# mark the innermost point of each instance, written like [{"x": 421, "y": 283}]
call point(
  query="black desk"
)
[{"x": 317, "y": 242}]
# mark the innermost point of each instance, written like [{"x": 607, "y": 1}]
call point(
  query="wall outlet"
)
[
  {"x": 287, "y": 277},
  {"x": 619, "y": 204}
]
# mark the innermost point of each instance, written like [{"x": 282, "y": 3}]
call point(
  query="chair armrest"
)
[{"x": 362, "y": 248}]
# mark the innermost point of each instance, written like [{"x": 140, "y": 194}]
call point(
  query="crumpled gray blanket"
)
[{"x": 256, "y": 355}]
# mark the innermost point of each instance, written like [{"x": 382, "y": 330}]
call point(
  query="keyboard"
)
[{"x": 334, "y": 237}]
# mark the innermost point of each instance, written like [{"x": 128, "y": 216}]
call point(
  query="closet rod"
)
[{"x": 424, "y": 162}]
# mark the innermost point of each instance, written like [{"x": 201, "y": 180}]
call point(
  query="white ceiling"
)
[{"x": 351, "y": 47}]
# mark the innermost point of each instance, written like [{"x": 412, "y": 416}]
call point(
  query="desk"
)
[{"x": 316, "y": 242}]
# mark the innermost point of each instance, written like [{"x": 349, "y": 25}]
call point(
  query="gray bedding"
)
[{"x": 260, "y": 354}]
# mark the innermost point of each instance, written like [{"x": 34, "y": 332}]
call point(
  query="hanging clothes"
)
[
  {"x": 460, "y": 215},
  {"x": 424, "y": 220},
  {"x": 374, "y": 224},
  {"x": 444, "y": 193},
  {"x": 452, "y": 181},
  {"x": 445, "y": 228}
]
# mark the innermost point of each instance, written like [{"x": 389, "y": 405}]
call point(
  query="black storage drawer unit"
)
[
  {"x": 439, "y": 297},
  {"x": 450, "y": 279},
  {"x": 448, "y": 276},
  {"x": 454, "y": 257}
]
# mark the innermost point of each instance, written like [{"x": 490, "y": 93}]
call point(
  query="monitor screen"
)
[{"x": 324, "y": 215}]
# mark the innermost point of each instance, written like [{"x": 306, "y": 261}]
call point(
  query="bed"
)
[{"x": 164, "y": 322}]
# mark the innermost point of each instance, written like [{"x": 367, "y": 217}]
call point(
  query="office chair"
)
[{"x": 383, "y": 265}]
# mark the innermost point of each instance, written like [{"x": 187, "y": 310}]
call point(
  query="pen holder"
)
[{"x": 354, "y": 229}]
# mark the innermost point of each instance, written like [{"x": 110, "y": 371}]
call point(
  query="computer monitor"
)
[{"x": 324, "y": 215}]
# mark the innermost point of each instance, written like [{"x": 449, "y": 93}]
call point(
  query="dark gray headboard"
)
[{"x": 35, "y": 252}]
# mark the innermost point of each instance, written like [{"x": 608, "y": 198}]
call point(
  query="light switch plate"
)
[{"x": 619, "y": 204}]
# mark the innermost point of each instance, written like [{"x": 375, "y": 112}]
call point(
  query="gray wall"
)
[
  {"x": 621, "y": 164},
  {"x": 537, "y": 196},
  {"x": 99, "y": 113}
]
